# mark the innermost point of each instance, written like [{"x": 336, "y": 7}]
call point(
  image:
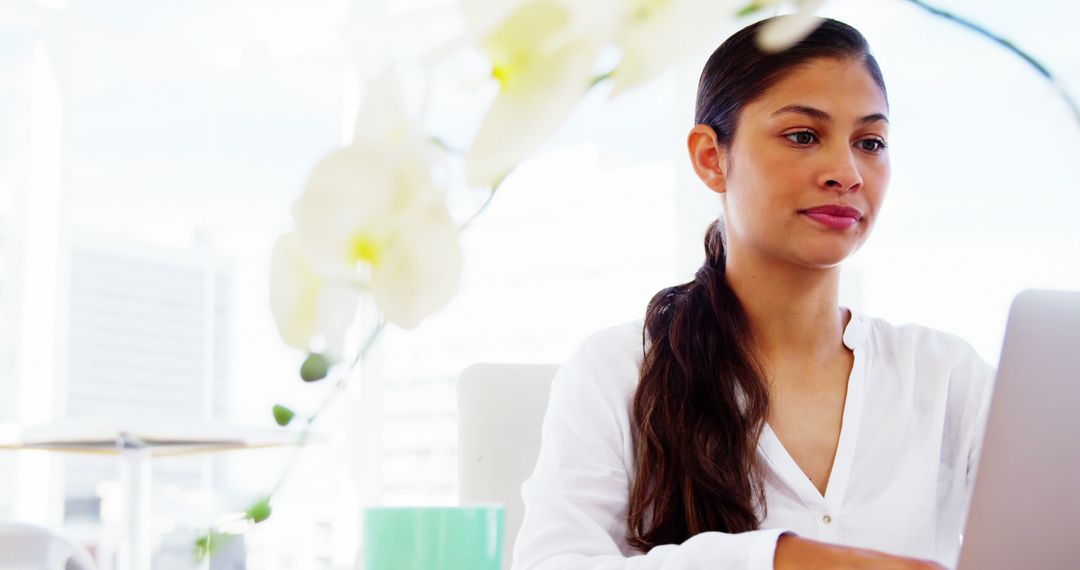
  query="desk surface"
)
[{"x": 156, "y": 437}]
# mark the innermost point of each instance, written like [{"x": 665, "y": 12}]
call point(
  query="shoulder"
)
[
  {"x": 928, "y": 358},
  {"x": 622, "y": 342},
  {"x": 931, "y": 347},
  {"x": 604, "y": 369},
  {"x": 609, "y": 359},
  {"x": 589, "y": 404}
]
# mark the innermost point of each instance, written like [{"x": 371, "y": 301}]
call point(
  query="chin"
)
[{"x": 825, "y": 259}]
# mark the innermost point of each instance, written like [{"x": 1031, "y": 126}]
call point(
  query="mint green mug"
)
[{"x": 434, "y": 538}]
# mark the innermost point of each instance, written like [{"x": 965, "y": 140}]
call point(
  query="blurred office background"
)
[{"x": 150, "y": 151}]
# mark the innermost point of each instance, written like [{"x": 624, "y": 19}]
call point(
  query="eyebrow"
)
[{"x": 823, "y": 116}]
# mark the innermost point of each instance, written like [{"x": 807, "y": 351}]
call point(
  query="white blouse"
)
[{"x": 900, "y": 483}]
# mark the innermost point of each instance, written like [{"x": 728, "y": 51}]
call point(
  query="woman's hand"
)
[{"x": 796, "y": 553}]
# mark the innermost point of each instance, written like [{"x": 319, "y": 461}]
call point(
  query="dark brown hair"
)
[{"x": 702, "y": 399}]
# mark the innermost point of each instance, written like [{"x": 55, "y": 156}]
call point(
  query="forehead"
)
[{"x": 842, "y": 88}]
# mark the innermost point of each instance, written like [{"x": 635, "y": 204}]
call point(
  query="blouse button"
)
[{"x": 826, "y": 519}]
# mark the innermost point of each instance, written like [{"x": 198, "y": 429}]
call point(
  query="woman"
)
[{"x": 750, "y": 421}]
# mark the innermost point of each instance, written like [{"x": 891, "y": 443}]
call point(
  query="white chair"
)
[
  {"x": 31, "y": 547},
  {"x": 500, "y": 412}
]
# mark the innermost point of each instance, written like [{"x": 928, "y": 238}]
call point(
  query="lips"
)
[{"x": 833, "y": 216}]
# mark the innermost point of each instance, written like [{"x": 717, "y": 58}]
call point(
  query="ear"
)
[{"x": 708, "y": 157}]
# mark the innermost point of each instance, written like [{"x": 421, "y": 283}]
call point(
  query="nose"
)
[{"x": 841, "y": 172}]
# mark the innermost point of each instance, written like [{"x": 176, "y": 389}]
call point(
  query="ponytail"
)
[{"x": 697, "y": 414}]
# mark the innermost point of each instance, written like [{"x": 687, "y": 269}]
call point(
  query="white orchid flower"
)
[
  {"x": 390, "y": 229},
  {"x": 305, "y": 305},
  {"x": 371, "y": 218},
  {"x": 784, "y": 32},
  {"x": 657, "y": 33},
  {"x": 542, "y": 53}
]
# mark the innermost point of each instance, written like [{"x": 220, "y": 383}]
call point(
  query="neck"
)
[{"x": 793, "y": 312}]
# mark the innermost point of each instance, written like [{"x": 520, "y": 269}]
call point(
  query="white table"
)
[{"x": 136, "y": 444}]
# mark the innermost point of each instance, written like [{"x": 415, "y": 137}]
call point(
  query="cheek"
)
[
  {"x": 876, "y": 182},
  {"x": 763, "y": 185},
  {"x": 768, "y": 176}
]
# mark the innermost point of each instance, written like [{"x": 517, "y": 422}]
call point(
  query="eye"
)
[
  {"x": 872, "y": 145},
  {"x": 801, "y": 138}
]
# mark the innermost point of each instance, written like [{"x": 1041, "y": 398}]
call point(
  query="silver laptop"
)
[{"x": 1025, "y": 511}]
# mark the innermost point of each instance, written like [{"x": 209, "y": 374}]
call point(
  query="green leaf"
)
[
  {"x": 314, "y": 368},
  {"x": 749, "y": 9},
  {"x": 260, "y": 511},
  {"x": 283, "y": 415},
  {"x": 207, "y": 545}
]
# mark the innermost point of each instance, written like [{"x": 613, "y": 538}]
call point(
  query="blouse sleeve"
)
[
  {"x": 576, "y": 499},
  {"x": 982, "y": 375}
]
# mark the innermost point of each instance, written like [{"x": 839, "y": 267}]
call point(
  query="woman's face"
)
[{"x": 806, "y": 174}]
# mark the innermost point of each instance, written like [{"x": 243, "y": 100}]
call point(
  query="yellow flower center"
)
[
  {"x": 365, "y": 249},
  {"x": 514, "y": 45},
  {"x": 509, "y": 67}
]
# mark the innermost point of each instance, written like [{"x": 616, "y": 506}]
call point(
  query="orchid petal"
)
[
  {"x": 294, "y": 292},
  {"x": 785, "y": 31},
  {"x": 658, "y": 33},
  {"x": 422, "y": 270},
  {"x": 483, "y": 16},
  {"x": 382, "y": 119}
]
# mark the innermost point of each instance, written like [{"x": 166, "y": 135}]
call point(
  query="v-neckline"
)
[{"x": 775, "y": 452}]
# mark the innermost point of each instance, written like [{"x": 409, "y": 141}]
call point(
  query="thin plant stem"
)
[
  {"x": 343, "y": 380},
  {"x": 305, "y": 433},
  {"x": 491, "y": 194},
  {"x": 601, "y": 78},
  {"x": 445, "y": 146},
  {"x": 1028, "y": 58},
  {"x": 487, "y": 202}
]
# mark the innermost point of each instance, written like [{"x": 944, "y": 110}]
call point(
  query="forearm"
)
[{"x": 796, "y": 553}]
